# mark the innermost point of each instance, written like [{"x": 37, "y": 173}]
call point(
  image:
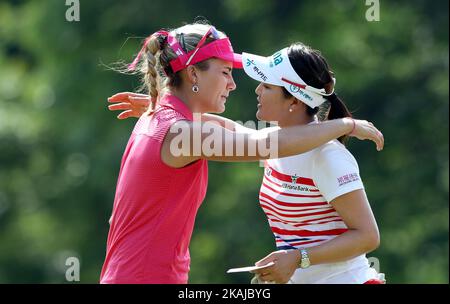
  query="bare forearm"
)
[
  {"x": 342, "y": 248},
  {"x": 269, "y": 143},
  {"x": 300, "y": 139},
  {"x": 276, "y": 143},
  {"x": 222, "y": 121}
]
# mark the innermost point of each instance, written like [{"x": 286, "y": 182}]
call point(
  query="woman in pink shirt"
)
[{"x": 163, "y": 173}]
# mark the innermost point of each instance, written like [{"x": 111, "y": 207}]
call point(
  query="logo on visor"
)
[
  {"x": 296, "y": 90},
  {"x": 277, "y": 59},
  {"x": 249, "y": 62},
  {"x": 179, "y": 52},
  {"x": 260, "y": 73}
]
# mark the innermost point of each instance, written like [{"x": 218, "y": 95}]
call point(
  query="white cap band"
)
[{"x": 277, "y": 70}]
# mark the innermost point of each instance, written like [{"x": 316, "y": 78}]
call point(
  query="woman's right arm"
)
[
  {"x": 187, "y": 142},
  {"x": 226, "y": 123}
]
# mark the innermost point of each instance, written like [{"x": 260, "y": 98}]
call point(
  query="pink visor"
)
[{"x": 220, "y": 48}]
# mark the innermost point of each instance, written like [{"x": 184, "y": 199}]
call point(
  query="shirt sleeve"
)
[{"x": 336, "y": 173}]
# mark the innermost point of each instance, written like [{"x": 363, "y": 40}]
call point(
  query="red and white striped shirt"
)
[{"x": 295, "y": 195}]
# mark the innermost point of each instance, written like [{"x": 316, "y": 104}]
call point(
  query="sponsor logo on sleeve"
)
[{"x": 348, "y": 178}]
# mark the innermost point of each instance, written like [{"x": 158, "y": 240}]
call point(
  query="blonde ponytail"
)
[
  {"x": 151, "y": 77},
  {"x": 153, "y": 60}
]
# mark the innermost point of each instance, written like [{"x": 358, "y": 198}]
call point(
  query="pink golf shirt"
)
[{"x": 154, "y": 207}]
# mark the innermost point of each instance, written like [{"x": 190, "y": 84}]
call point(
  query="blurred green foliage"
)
[{"x": 60, "y": 148}]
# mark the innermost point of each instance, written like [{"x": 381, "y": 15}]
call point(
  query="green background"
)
[{"x": 60, "y": 148}]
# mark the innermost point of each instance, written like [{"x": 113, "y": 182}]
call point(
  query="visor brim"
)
[
  {"x": 237, "y": 61},
  {"x": 258, "y": 68}
]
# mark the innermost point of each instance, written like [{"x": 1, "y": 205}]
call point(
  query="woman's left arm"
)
[
  {"x": 362, "y": 237},
  {"x": 135, "y": 104}
]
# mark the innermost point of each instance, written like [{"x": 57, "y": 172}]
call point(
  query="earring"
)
[
  {"x": 195, "y": 88},
  {"x": 290, "y": 110}
]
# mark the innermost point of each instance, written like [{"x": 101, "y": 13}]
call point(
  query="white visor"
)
[{"x": 277, "y": 70}]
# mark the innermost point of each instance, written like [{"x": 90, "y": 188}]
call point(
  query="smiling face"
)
[
  {"x": 272, "y": 103},
  {"x": 215, "y": 84}
]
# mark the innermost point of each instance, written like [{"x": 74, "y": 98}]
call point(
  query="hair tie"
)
[
  {"x": 162, "y": 39},
  {"x": 158, "y": 34},
  {"x": 332, "y": 97}
]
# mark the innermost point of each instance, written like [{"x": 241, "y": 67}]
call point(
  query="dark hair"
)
[{"x": 313, "y": 68}]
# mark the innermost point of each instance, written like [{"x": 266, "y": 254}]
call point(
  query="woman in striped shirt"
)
[{"x": 315, "y": 202}]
